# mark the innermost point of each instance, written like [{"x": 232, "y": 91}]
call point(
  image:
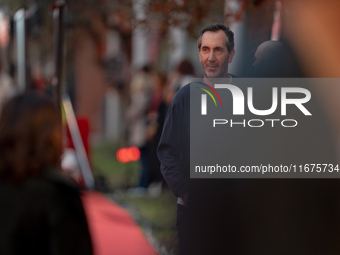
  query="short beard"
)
[{"x": 223, "y": 69}]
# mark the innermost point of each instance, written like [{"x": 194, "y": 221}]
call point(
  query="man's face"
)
[{"x": 214, "y": 54}]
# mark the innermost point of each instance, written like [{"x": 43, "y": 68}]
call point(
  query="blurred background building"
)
[{"x": 107, "y": 41}]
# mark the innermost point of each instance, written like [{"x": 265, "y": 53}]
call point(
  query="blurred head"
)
[
  {"x": 266, "y": 50},
  {"x": 140, "y": 81},
  {"x": 216, "y": 50},
  {"x": 275, "y": 59},
  {"x": 30, "y": 137},
  {"x": 186, "y": 68}
]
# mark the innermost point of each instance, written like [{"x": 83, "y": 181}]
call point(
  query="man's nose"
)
[{"x": 211, "y": 57}]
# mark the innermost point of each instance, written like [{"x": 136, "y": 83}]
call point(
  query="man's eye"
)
[{"x": 205, "y": 50}]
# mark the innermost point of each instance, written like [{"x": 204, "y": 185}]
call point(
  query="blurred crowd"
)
[{"x": 151, "y": 93}]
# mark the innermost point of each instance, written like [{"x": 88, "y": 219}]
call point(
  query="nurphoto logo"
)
[{"x": 239, "y": 104}]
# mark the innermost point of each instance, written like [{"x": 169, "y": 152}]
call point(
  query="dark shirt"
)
[{"x": 43, "y": 215}]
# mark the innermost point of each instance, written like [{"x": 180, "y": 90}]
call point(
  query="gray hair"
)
[{"x": 215, "y": 28}]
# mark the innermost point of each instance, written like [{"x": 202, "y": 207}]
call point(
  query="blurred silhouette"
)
[
  {"x": 275, "y": 59},
  {"x": 183, "y": 75},
  {"x": 7, "y": 89},
  {"x": 37, "y": 79},
  {"x": 40, "y": 208},
  {"x": 155, "y": 119},
  {"x": 140, "y": 89}
]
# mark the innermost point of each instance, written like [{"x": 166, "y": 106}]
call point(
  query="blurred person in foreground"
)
[{"x": 40, "y": 209}]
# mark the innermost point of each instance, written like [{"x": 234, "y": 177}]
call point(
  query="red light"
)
[
  {"x": 125, "y": 155},
  {"x": 135, "y": 153}
]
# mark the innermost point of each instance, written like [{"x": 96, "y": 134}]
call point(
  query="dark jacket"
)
[
  {"x": 43, "y": 215},
  {"x": 255, "y": 216},
  {"x": 174, "y": 146}
]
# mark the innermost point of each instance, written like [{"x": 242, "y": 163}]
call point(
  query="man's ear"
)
[{"x": 231, "y": 56}]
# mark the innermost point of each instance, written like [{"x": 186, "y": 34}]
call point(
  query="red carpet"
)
[{"x": 112, "y": 229}]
